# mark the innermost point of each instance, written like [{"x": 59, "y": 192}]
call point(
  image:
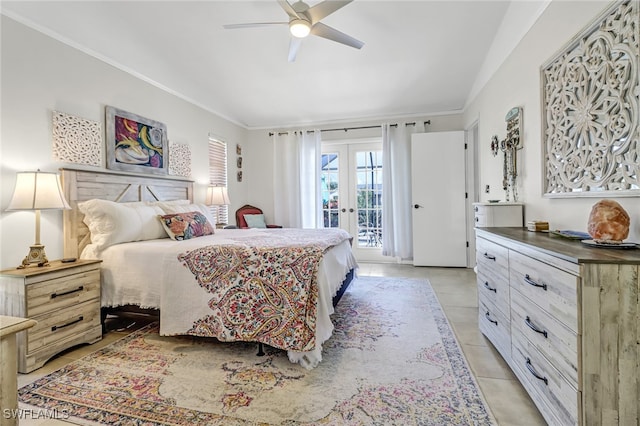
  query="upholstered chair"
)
[{"x": 249, "y": 216}]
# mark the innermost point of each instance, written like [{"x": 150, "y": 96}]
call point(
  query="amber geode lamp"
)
[{"x": 37, "y": 191}]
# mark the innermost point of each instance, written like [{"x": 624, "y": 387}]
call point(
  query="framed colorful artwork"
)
[{"x": 135, "y": 143}]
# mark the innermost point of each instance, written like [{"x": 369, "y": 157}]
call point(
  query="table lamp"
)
[
  {"x": 37, "y": 191},
  {"x": 217, "y": 196}
]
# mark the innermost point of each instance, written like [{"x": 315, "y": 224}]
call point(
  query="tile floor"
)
[{"x": 456, "y": 290}]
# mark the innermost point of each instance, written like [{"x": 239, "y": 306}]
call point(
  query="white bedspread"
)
[{"x": 149, "y": 274}]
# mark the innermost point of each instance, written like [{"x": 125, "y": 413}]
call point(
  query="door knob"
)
[
  {"x": 343, "y": 210},
  {"x": 417, "y": 206},
  {"x": 350, "y": 210}
]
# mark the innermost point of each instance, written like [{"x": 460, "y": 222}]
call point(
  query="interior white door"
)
[{"x": 438, "y": 194}]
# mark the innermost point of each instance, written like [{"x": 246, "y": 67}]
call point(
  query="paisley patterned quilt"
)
[{"x": 260, "y": 288}]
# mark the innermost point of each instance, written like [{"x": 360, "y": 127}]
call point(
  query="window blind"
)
[{"x": 218, "y": 172}]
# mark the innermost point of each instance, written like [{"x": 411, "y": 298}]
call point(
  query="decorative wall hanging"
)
[
  {"x": 239, "y": 162},
  {"x": 179, "y": 159},
  {"x": 591, "y": 109},
  {"x": 135, "y": 143},
  {"x": 495, "y": 145},
  {"x": 76, "y": 140},
  {"x": 509, "y": 147}
]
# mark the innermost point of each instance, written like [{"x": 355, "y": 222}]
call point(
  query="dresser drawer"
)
[
  {"x": 550, "y": 337},
  {"x": 495, "y": 288},
  {"x": 495, "y": 326},
  {"x": 59, "y": 293},
  {"x": 557, "y": 399},
  {"x": 552, "y": 289},
  {"x": 492, "y": 257},
  {"x": 71, "y": 321},
  {"x": 480, "y": 220}
]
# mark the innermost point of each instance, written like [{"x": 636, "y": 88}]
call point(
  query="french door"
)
[{"x": 352, "y": 194}]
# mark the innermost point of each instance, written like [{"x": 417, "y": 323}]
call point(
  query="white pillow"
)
[
  {"x": 161, "y": 204},
  {"x": 186, "y": 208},
  {"x": 114, "y": 223}
]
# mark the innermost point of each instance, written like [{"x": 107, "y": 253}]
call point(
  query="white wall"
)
[
  {"x": 40, "y": 75},
  {"x": 517, "y": 83}
]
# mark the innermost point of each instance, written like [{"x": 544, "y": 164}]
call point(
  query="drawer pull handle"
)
[
  {"x": 488, "y": 256},
  {"x": 58, "y": 327},
  {"x": 535, "y": 373},
  {"x": 534, "y": 328},
  {"x": 528, "y": 280},
  {"x": 488, "y": 287},
  {"x": 54, "y": 295},
  {"x": 488, "y": 315}
]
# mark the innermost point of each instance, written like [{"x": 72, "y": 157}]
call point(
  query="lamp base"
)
[{"x": 36, "y": 257}]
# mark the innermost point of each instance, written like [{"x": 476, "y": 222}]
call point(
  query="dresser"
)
[
  {"x": 63, "y": 298},
  {"x": 566, "y": 318},
  {"x": 498, "y": 214}
]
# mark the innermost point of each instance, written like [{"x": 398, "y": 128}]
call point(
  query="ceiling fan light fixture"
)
[{"x": 299, "y": 28}]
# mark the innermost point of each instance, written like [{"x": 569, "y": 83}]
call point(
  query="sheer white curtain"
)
[
  {"x": 397, "y": 229},
  {"x": 310, "y": 172},
  {"x": 297, "y": 164}
]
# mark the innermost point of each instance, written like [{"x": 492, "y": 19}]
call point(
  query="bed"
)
[{"x": 271, "y": 286}]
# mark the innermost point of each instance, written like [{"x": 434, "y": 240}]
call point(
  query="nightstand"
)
[{"x": 63, "y": 298}]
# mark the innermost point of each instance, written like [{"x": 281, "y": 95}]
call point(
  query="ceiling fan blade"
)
[
  {"x": 324, "y": 9},
  {"x": 321, "y": 30},
  {"x": 287, "y": 8},
  {"x": 294, "y": 45},
  {"x": 252, "y": 25}
]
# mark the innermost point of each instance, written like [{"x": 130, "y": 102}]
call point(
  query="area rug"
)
[{"x": 392, "y": 359}]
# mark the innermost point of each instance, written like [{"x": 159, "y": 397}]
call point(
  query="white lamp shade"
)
[
  {"x": 217, "y": 196},
  {"x": 37, "y": 191}
]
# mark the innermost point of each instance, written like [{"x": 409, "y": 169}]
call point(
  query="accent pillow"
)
[
  {"x": 114, "y": 223},
  {"x": 255, "y": 220},
  {"x": 186, "y": 208},
  {"x": 184, "y": 226}
]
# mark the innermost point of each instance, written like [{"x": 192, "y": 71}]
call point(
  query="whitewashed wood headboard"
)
[{"x": 82, "y": 185}]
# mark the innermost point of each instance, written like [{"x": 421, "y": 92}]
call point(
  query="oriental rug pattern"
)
[{"x": 392, "y": 360}]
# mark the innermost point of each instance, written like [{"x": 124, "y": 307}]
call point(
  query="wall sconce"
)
[{"x": 37, "y": 191}]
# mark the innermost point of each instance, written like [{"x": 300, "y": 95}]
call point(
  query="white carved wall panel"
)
[
  {"x": 179, "y": 159},
  {"x": 591, "y": 109},
  {"x": 76, "y": 140}
]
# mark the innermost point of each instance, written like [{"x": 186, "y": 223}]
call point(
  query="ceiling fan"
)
[{"x": 305, "y": 20}]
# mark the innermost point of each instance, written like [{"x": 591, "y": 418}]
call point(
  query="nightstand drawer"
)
[
  {"x": 66, "y": 322},
  {"x": 62, "y": 292}
]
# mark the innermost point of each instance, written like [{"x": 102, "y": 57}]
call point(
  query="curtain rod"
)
[{"x": 344, "y": 129}]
